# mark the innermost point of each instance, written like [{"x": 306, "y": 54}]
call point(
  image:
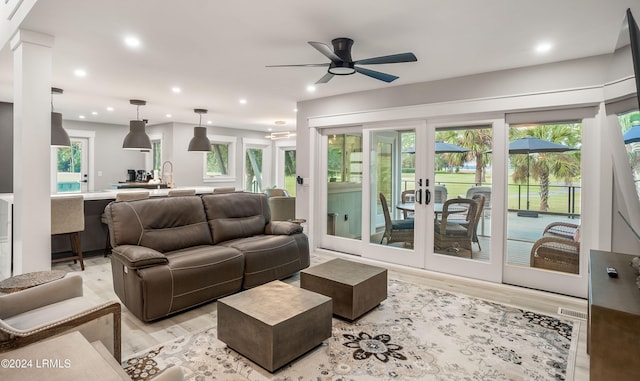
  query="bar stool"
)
[
  {"x": 181, "y": 192},
  {"x": 224, "y": 190},
  {"x": 67, "y": 217},
  {"x": 124, "y": 196}
]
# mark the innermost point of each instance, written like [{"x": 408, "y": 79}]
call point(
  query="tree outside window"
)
[{"x": 218, "y": 160}]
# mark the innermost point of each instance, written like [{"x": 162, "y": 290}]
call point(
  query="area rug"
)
[{"x": 417, "y": 333}]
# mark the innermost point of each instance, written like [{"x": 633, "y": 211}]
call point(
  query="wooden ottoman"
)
[
  {"x": 355, "y": 288},
  {"x": 274, "y": 323}
]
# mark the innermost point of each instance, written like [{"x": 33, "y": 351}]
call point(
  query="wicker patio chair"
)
[
  {"x": 556, "y": 253},
  {"x": 454, "y": 235},
  {"x": 395, "y": 230}
]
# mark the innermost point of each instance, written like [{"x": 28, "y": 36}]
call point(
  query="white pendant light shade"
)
[
  {"x": 59, "y": 137},
  {"x": 137, "y": 139},
  {"x": 200, "y": 141}
]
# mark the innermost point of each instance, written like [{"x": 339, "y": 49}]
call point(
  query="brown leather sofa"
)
[{"x": 170, "y": 254}]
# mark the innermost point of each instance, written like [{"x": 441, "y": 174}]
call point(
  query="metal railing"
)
[{"x": 569, "y": 206}]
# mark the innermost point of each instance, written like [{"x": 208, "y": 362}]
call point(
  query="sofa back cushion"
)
[
  {"x": 236, "y": 215},
  {"x": 163, "y": 224}
]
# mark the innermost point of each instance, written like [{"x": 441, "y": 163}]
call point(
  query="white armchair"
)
[{"x": 54, "y": 308}]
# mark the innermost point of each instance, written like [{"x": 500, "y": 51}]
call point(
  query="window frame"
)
[
  {"x": 232, "y": 142},
  {"x": 266, "y": 146}
]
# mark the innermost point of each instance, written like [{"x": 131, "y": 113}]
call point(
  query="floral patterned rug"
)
[{"x": 416, "y": 334}]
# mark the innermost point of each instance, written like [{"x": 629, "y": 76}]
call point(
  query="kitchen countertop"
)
[{"x": 111, "y": 193}]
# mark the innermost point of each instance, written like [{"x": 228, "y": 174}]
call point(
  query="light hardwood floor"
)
[{"x": 137, "y": 336}]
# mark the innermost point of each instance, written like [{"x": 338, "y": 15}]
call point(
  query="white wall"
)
[
  {"x": 110, "y": 158},
  {"x": 188, "y": 166},
  {"x": 505, "y": 89}
]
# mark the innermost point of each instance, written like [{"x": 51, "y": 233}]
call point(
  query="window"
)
[
  {"x": 345, "y": 158},
  {"x": 219, "y": 163},
  {"x": 72, "y": 167},
  {"x": 69, "y": 167},
  {"x": 156, "y": 147},
  {"x": 257, "y": 164},
  {"x": 290, "y": 171}
]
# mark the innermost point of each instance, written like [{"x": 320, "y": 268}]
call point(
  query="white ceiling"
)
[{"x": 216, "y": 51}]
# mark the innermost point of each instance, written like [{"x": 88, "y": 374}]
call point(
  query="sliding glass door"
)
[{"x": 452, "y": 197}]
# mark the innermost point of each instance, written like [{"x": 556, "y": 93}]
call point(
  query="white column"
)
[{"x": 31, "y": 151}]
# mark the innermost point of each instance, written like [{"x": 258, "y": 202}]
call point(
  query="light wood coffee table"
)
[
  {"x": 275, "y": 323},
  {"x": 355, "y": 288}
]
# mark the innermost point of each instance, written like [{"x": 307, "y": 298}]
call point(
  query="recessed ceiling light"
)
[
  {"x": 209, "y": 122},
  {"x": 94, "y": 113},
  {"x": 295, "y": 110},
  {"x": 543, "y": 47},
  {"x": 109, "y": 108},
  {"x": 269, "y": 129},
  {"x": 168, "y": 115},
  {"x": 80, "y": 73},
  {"x": 132, "y": 41},
  {"x": 311, "y": 88},
  {"x": 81, "y": 116},
  {"x": 176, "y": 89},
  {"x": 243, "y": 101}
]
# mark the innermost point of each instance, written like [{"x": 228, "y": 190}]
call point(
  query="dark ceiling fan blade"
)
[
  {"x": 376, "y": 74},
  {"x": 393, "y": 58},
  {"x": 309, "y": 65},
  {"x": 327, "y": 77},
  {"x": 325, "y": 50}
]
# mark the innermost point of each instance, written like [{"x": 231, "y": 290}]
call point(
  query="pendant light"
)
[
  {"x": 137, "y": 139},
  {"x": 200, "y": 142},
  {"x": 59, "y": 137}
]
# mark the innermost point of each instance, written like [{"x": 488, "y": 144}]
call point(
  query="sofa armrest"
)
[
  {"x": 136, "y": 257},
  {"x": 282, "y": 228},
  {"x": 12, "y": 338},
  {"x": 40, "y": 296}
]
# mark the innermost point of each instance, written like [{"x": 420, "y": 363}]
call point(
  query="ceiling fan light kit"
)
[
  {"x": 342, "y": 63},
  {"x": 200, "y": 142},
  {"x": 137, "y": 138}
]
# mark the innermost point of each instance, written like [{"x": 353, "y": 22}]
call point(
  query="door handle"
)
[
  {"x": 419, "y": 196},
  {"x": 428, "y": 194}
]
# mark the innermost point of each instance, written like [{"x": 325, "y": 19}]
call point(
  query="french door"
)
[
  {"x": 70, "y": 167},
  {"x": 389, "y": 187}
]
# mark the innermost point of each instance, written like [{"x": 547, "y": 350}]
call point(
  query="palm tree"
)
[
  {"x": 477, "y": 140},
  {"x": 541, "y": 166}
]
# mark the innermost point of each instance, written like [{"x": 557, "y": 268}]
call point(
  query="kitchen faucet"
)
[{"x": 167, "y": 177}]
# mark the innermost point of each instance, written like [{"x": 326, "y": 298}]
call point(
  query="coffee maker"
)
[{"x": 131, "y": 175}]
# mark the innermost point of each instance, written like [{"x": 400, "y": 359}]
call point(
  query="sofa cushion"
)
[
  {"x": 193, "y": 276},
  {"x": 236, "y": 215},
  {"x": 162, "y": 224},
  {"x": 269, "y": 257}
]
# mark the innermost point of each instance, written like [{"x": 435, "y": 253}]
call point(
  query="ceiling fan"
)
[{"x": 342, "y": 63}]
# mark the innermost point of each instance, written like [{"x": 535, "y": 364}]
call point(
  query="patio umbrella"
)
[
  {"x": 442, "y": 147},
  {"x": 633, "y": 135},
  {"x": 530, "y": 144}
]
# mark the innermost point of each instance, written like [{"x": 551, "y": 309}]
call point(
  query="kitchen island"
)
[{"x": 94, "y": 236}]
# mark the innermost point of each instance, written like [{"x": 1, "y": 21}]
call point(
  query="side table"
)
[{"x": 28, "y": 280}]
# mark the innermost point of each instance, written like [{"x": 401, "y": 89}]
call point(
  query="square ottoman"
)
[
  {"x": 355, "y": 288},
  {"x": 274, "y": 323}
]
